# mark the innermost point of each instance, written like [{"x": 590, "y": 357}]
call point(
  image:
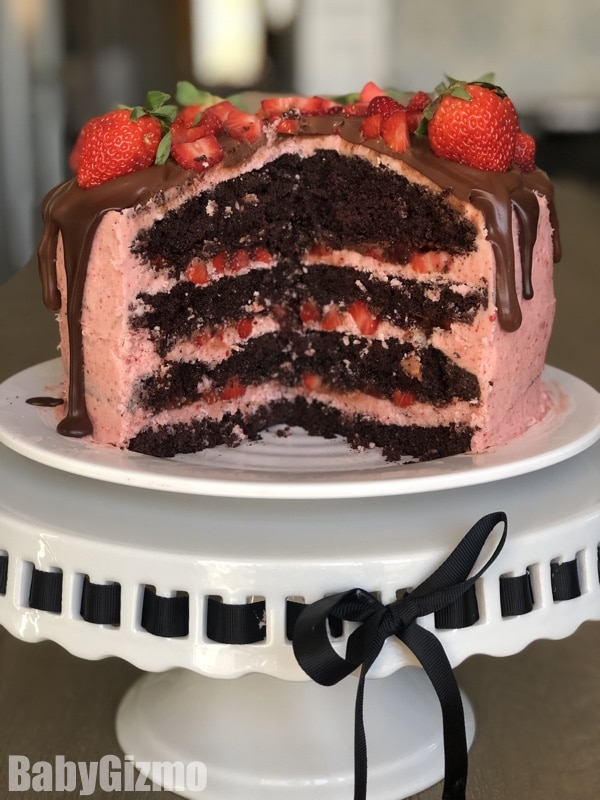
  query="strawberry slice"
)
[
  {"x": 309, "y": 311},
  {"x": 262, "y": 255},
  {"x": 209, "y": 124},
  {"x": 244, "y": 328},
  {"x": 232, "y": 389},
  {"x": 197, "y": 272},
  {"x": 286, "y": 125},
  {"x": 332, "y": 319},
  {"x": 219, "y": 262},
  {"x": 311, "y": 106},
  {"x": 238, "y": 124},
  {"x": 369, "y": 91},
  {"x": 198, "y": 155},
  {"x": 311, "y": 381},
  {"x": 366, "y": 322},
  {"x": 189, "y": 115},
  {"x": 394, "y": 131},
  {"x": 243, "y": 127},
  {"x": 355, "y": 109},
  {"x": 385, "y": 105},
  {"x": 238, "y": 261},
  {"x": 371, "y": 126},
  {"x": 403, "y": 399}
]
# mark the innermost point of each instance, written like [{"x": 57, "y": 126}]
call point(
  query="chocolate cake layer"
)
[
  {"x": 346, "y": 363},
  {"x": 177, "y": 314},
  {"x": 292, "y": 203},
  {"x": 317, "y": 419}
]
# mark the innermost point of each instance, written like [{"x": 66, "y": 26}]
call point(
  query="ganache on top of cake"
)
[{"x": 377, "y": 266}]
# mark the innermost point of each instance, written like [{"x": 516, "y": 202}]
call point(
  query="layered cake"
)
[{"x": 376, "y": 267}]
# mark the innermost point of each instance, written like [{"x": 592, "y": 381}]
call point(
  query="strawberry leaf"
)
[
  {"x": 164, "y": 149},
  {"x": 188, "y": 95},
  {"x": 154, "y": 100},
  {"x": 422, "y": 127},
  {"x": 347, "y": 99},
  {"x": 165, "y": 114},
  {"x": 136, "y": 113}
]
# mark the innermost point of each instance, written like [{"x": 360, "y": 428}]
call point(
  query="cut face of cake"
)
[{"x": 311, "y": 269}]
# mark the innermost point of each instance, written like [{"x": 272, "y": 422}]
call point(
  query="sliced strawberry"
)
[
  {"x": 366, "y": 322},
  {"x": 190, "y": 115},
  {"x": 219, "y": 262},
  {"x": 371, "y": 126},
  {"x": 276, "y": 106},
  {"x": 198, "y": 155},
  {"x": 355, "y": 109},
  {"x": 418, "y": 102},
  {"x": 332, "y": 319},
  {"x": 244, "y": 328},
  {"x": 287, "y": 125},
  {"x": 311, "y": 381},
  {"x": 369, "y": 91},
  {"x": 237, "y": 123},
  {"x": 317, "y": 106},
  {"x": 309, "y": 311},
  {"x": 403, "y": 399},
  {"x": 243, "y": 127},
  {"x": 427, "y": 263},
  {"x": 385, "y": 105},
  {"x": 209, "y": 124},
  {"x": 197, "y": 272},
  {"x": 238, "y": 261},
  {"x": 232, "y": 389},
  {"x": 394, "y": 131},
  {"x": 262, "y": 255},
  {"x": 415, "y": 108}
]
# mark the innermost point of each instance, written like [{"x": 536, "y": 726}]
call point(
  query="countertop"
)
[{"x": 537, "y": 712}]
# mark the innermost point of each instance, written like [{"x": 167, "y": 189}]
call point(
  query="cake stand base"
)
[{"x": 260, "y": 737}]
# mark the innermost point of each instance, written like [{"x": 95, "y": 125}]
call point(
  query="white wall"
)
[
  {"x": 545, "y": 53},
  {"x": 31, "y": 122}
]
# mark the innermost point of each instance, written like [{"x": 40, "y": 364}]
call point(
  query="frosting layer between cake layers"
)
[{"x": 398, "y": 300}]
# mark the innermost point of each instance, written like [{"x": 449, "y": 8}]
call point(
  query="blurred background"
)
[{"x": 64, "y": 61}]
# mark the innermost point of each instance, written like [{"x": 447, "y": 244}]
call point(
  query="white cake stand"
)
[{"x": 322, "y": 520}]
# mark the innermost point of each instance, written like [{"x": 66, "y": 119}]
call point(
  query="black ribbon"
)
[{"x": 318, "y": 658}]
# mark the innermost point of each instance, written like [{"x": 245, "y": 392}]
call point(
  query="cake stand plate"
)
[
  {"x": 294, "y": 465},
  {"x": 259, "y": 737}
]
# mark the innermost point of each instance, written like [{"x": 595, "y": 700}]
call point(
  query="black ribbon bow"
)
[{"x": 446, "y": 585}]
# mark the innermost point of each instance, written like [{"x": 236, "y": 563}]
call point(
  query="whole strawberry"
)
[
  {"x": 121, "y": 141},
  {"x": 474, "y": 124}
]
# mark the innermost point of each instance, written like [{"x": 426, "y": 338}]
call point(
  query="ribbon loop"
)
[{"x": 321, "y": 661}]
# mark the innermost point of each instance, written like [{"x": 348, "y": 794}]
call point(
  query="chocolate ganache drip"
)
[{"x": 74, "y": 214}]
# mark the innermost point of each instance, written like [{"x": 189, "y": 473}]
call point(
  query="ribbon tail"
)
[
  {"x": 360, "y": 741},
  {"x": 376, "y": 642},
  {"x": 432, "y": 656}
]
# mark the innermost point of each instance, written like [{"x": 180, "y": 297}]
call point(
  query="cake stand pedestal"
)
[
  {"x": 272, "y": 732},
  {"x": 259, "y": 737}
]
